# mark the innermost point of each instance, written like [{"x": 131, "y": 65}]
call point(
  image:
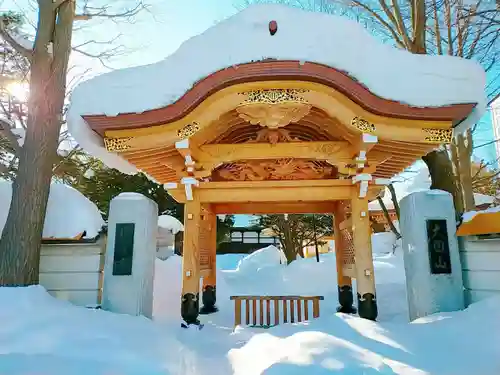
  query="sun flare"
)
[{"x": 19, "y": 90}]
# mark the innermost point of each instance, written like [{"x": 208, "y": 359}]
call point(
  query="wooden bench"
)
[{"x": 295, "y": 309}]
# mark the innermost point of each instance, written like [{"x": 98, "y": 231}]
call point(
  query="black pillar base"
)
[
  {"x": 367, "y": 306},
  {"x": 208, "y": 298},
  {"x": 346, "y": 300},
  {"x": 190, "y": 308}
]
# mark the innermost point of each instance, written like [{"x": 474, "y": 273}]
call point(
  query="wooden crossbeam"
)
[
  {"x": 271, "y": 191},
  {"x": 263, "y": 208}
]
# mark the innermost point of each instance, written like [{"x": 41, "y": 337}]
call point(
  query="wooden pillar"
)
[
  {"x": 209, "y": 281},
  {"x": 365, "y": 280},
  {"x": 344, "y": 283},
  {"x": 190, "y": 262}
]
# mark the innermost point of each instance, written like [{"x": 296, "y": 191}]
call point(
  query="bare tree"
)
[
  {"x": 445, "y": 27},
  {"x": 296, "y": 231},
  {"x": 48, "y": 57}
]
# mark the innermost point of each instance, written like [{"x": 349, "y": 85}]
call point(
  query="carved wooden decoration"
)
[
  {"x": 363, "y": 125},
  {"x": 274, "y": 96},
  {"x": 272, "y": 136},
  {"x": 273, "y": 116},
  {"x": 117, "y": 144},
  {"x": 280, "y": 169},
  {"x": 188, "y": 130},
  {"x": 438, "y": 135}
]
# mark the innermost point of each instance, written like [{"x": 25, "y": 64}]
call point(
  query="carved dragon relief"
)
[{"x": 279, "y": 169}]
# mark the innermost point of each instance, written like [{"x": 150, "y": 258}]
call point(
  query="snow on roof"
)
[
  {"x": 170, "y": 223},
  {"x": 420, "y": 182},
  {"x": 334, "y": 41},
  {"x": 69, "y": 212}
]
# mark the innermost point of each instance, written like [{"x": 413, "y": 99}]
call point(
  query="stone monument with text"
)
[
  {"x": 130, "y": 255},
  {"x": 431, "y": 256}
]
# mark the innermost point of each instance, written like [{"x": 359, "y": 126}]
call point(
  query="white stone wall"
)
[
  {"x": 73, "y": 271},
  {"x": 429, "y": 293},
  {"x": 132, "y": 294},
  {"x": 481, "y": 267}
]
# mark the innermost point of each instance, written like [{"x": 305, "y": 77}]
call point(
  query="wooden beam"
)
[
  {"x": 333, "y": 152},
  {"x": 304, "y": 194},
  {"x": 338, "y": 151},
  {"x": 263, "y": 208},
  {"x": 272, "y": 191},
  {"x": 268, "y": 191},
  {"x": 365, "y": 281},
  {"x": 343, "y": 281},
  {"x": 191, "y": 261}
]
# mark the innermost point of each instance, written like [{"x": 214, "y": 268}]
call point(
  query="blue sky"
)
[{"x": 159, "y": 32}]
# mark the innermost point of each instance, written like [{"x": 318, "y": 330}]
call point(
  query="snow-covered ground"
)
[{"x": 42, "y": 335}]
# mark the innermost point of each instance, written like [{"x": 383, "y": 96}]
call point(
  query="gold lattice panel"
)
[
  {"x": 204, "y": 243},
  {"x": 348, "y": 259}
]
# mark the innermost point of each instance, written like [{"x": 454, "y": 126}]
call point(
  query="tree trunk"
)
[
  {"x": 464, "y": 154},
  {"x": 442, "y": 177},
  {"x": 388, "y": 218},
  {"x": 394, "y": 200},
  {"x": 21, "y": 237}
]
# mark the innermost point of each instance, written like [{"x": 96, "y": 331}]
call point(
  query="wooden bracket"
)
[
  {"x": 364, "y": 144},
  {"x": 188, "y": 183}
]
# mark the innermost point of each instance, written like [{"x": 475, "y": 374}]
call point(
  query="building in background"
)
[
  {"x": 248, "y": 239},
  {"x": 495, "y": 113}
]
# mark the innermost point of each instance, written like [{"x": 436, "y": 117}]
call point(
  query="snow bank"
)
[
  {"x": 61, "y": 339},
  {"x": 468, "y": 216},
  {"x": 267, "y": 257},
  {"x": 69, "y": 212},
  {"x": 170, "y": 223},
  {"x": 308, "y": 277},
  {"x": 304, "y": 36},
  {"x": 58, "y": 338},
  {"x": 460, "y": 343}
]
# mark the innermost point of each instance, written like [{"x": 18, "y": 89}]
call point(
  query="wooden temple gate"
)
[{"x": 278, "y": 137}]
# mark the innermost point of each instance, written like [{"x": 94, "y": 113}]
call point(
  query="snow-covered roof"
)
[
  {"x": 420, "y": 182},
  {"x": 69, "y": 212},
  {"x": 390, "y": 73},
  {"x": 170, "y": 223}
]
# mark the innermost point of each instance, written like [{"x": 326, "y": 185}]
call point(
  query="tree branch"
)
[
  {"x": 381, "y": 21},
  {"x": 23, "y": 51},
  {"x": 103, "y": 13},
  {"x": 6, "y": 131}
]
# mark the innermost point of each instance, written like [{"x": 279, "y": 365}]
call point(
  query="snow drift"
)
[
  {"x": 61, "y": 339},
  {"x": 69, "y": 212}
]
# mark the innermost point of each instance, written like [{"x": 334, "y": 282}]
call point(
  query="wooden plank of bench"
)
[
  {"x": 299, "y": 310},
  {"x": 285, "y": 311},
  {"x": 265, "y": 318},
  {"x": 247, "y": 311},
  {"x": 316, "y": 308},
  {"x": 237, "y": 313},
  {"x": 276, "y": 312},
  {"x": 254, "y": 309},
  {"x": 308, "y": 298}
]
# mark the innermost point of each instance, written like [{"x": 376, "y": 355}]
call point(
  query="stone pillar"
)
[
  {"x": 209, "y": 281},
  {"x": 365, "y": 278},
  {"x": 431, "y": 257},
  {"x": 344, "y": 283},
  {"x": 130, "y": 255},
  {"x": 190, "y": 305}
]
